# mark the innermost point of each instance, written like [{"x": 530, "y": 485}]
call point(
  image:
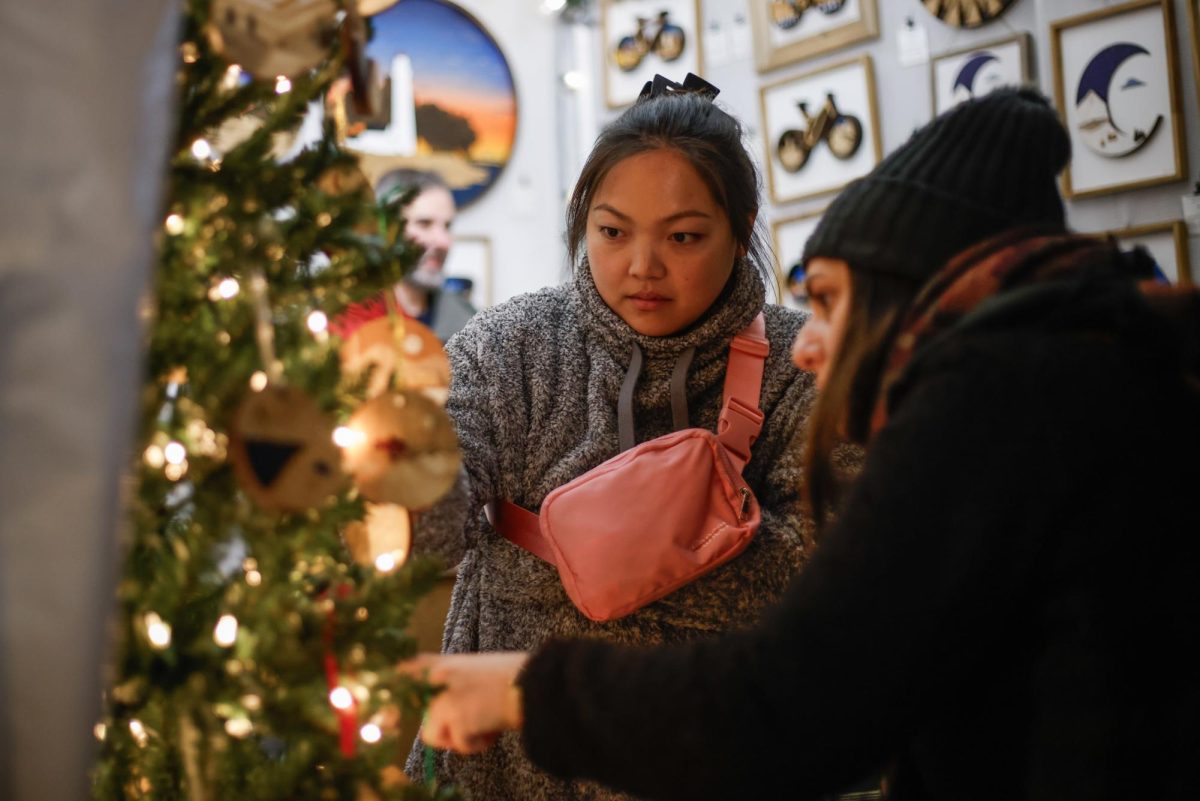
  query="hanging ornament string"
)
[{"x": 264, "y": 329}]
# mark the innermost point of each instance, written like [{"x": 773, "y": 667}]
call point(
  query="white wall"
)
[{"x": 904, "y": 94}]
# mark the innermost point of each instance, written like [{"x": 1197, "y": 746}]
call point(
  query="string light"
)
[
  {"x": 174, "y": 224},
  {"x": 231, "y": 77},
  {"x": 370, "y": 733},
  {"x": 158, "y": 631},
  {"x": 153, "y": 456},
  {"x": 282, "y": 85},
  {"x": 341, "y": 698},
  {"x": 225, "y": 633},
  {"x": 228, "y": 288},
  {"x": 139, "y": 732},
  {"x": 317, "y": 322},
  {"x": 239, "y": 727},
  {"x": 174, "y": 472},
  {"x": 253, "y": 578},
  {"x": 201, "y": 149},
  {"x": 258, "y": 381},
  {"x": 347, "y": 437},
  {"x": 385, "y": 562},
  {"x": 175, "y": 453},
  {"x": 100, "y": 731}
]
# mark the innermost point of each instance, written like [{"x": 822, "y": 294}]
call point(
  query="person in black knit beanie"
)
[{"x": 1002, "y": 605}]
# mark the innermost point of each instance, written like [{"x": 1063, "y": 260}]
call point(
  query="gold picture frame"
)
[
  {"x": 1193, "y": 7},
  {"x": 787, "y": 238},
  {"x": 851, "y": 86},
  {"x": 776, "y": 46},
  {"x": 641, "y": 38},
  {"x": 1177, "y": 231},
  {"x": 1151, "y": 162},
  {"x": 1013, "y": 52}
]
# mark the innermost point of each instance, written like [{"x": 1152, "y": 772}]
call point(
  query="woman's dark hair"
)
[
  {"x": 709, "y": 138},
  {"x": 844, "y": 407}
]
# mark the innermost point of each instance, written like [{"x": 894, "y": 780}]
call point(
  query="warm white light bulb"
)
[
  {"x": 317, "y": 322},
  {"x": 175, "y": 453},
  {"x": 346, "y": 437},
  {"x": 154, "y": 457},
  {"x": 157, "y": 630},
  {"x": 385, "y": 562},
  {"x": 101, "y": 731},
  {"x": 225, "y": 633},
  {"x": 253, "y": 578},
  {"x": 228, "y": 288},
  {"x": 341, "y": 698},
  {"x": 201, "y": 149},
  {"x": 174, "y": 224},
  {"x": 239, "y": 727},
  {"x": 371, "y": 733},
  {"x": 258, "y": 381},
  {"x": 282, "y": 85},
  {"x": 138, "y": 731}
]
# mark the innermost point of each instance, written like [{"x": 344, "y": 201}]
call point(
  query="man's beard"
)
[{"x": 427, "y": 280}]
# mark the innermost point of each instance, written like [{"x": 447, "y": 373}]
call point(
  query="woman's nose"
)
[
  {"x": 807, "y": 352},
  {"x": 645, "y": 263}
]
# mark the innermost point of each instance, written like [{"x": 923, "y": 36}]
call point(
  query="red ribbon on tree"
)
[{"x": 348, "y": 716}]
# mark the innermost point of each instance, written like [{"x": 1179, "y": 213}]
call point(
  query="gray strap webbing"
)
[
  {"x": 679, "y": 404},
  {"x": 625, "y": 400}
]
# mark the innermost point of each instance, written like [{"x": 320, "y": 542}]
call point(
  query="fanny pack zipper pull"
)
[{"x": 745, "y": 503}]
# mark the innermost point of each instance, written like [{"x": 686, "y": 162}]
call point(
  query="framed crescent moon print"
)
[
  {"x": 1116, "y": 81},
  {"x": 974, "y": 71}
]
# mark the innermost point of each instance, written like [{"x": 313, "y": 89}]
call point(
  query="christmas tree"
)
[{"x": 256, "y": 657}]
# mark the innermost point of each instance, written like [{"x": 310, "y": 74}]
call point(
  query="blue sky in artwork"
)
[{"x": 445, "y": 45}]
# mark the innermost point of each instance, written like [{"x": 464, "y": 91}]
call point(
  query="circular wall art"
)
[
  {"x": 449, "y": 104},
  {"x": 967, "y": 13}
]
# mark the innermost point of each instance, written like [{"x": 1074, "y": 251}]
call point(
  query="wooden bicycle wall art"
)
[
  {"x": 786, "y": 31},
  {"x": 644, "y": 37},
  {"x": 821, "y": 129}
]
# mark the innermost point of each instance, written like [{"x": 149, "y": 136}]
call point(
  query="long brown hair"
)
[{"x": 844, "y": 407}]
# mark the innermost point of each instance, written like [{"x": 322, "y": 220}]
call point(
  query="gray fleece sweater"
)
[{"x": 533, "y": 397}]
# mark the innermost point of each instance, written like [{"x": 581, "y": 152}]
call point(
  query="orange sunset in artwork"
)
[{"x": 463, "y": 103}]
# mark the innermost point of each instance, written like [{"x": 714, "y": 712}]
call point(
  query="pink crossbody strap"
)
[{"x": 737, "y": 427}]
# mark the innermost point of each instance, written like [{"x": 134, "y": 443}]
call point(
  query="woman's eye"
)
[
  {"x": 608, "y": 232},
  {"x": 682, "y": 237}
]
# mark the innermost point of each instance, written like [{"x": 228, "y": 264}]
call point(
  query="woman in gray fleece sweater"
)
[{"x": 661, "y": 229}]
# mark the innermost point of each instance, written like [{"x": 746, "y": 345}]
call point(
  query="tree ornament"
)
[
  {"x": 282, "y": 450},
  {"x": 273, "y": 37},
  {"x": 382, "y": 539},
  {"x": 403, "y": 450},
  {"x": 400, "y": 346}
]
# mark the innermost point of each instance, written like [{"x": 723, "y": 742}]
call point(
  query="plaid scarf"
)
[{"x": 1019, "y": 258}]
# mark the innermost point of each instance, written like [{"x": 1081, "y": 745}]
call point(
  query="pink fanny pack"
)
[{"x": 658, "y": 515}]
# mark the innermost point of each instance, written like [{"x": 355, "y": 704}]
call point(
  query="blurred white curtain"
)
[{"x": 86, "y": 104}]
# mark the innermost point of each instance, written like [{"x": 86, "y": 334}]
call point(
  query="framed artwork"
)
[
  {"x": 470, "y": 257},
  {"x": 973, "y": 72},
  {"x": 1167, "y": 243},
  {"x": 786, "y": 31},
  {"x": 644, "y": 37},
  {"x": 966, "y": 13},
  {"x": 790, "y": 235},
  {"x": 820, "y": 129},
  {"x": 1193, "y": 7},
  {"x": 1116, "y": 81},
  {"x": 447, "y": 100}
]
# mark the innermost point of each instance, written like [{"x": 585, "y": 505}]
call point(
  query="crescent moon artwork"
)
[
  {"x": 1112, "y": 122},
  {"x": 969, "y": 75}
]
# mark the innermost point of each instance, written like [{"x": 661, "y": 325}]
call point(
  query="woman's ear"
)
[{"x": 742, "y": 249}]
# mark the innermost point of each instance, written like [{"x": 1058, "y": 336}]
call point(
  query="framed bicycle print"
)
[
  {"x": 1166, "y": 242},
  {"x": 1116, "y": 81},
  {"x": 644, "y": 37},
  {"x": 820, "y": 129},
  {"x": 786, "y": 31},
  {"x": 790, "y": 235},
  {"x": 974, "y": 71}
]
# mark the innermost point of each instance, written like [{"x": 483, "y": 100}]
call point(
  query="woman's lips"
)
[{"x": 647, "y": 301}]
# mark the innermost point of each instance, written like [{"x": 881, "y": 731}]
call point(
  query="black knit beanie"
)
[{"x": 983, "y": 167}]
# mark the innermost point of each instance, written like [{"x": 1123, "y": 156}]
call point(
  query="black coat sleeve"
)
[{"x": 903, "y": 595}]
